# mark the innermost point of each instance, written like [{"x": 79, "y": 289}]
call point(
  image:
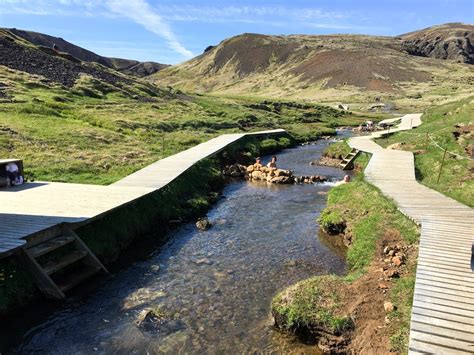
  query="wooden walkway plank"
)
[{"x": 443, "y": 307}]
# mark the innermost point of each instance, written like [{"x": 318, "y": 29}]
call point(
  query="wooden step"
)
[
  {"x": 50, "y": 245},
  {"x": 64, "y": 261},
  {"x": 77, "y": 277},
  {"x": 82, "y": 261}
]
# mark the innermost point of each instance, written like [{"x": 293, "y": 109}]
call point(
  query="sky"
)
[{"x": 172, "y": 31}]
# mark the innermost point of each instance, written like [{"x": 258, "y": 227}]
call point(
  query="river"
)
[{"x": 217, "y": 284}]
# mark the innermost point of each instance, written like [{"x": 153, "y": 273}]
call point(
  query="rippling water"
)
[{"x": 218, "y": 284}]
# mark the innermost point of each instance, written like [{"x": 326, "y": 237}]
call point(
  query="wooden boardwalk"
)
[
  {"x": 35, "y": 207},
  {"x": 442, "y": 319}
]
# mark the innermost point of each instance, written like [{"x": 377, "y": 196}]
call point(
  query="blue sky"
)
[{"x": 169, "y": 31}]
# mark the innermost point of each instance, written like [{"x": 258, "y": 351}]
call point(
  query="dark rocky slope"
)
[
  {"x": 453, "y": 41},
  {"x": 127, "y": 66}
]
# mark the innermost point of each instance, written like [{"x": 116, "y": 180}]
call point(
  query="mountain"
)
[
  {"x": 130, "y": 67},
  {"x": 289, "y": 65},
  {"x": 453, "y": 41}
]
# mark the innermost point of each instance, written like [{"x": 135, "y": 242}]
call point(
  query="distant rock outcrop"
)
[{"x": 453, "y": 41}]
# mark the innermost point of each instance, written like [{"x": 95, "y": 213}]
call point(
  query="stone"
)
[
  {"x": 388, "y": 307},
  {"x": 291, "y": 263},
  {"x": 386, "y": 249},
  {"x": 280, "y": 180},
  {"x": 203, "y": 224},
  {"x": 391, "y": 273},
  {"x": 383, "y": 286},
  {"x": 250, "y": 168},
  {"x": 203, "y": 261},
  {"x": 397, "y": 261},
  {"x": 257, "y": 175}
]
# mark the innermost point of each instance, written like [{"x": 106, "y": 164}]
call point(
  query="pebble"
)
[
  {"x": 203, "y": 261},
  {"x": 388, "y": 306}
]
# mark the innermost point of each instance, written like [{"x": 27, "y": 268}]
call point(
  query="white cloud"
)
[{"x": 143, "y": 14}]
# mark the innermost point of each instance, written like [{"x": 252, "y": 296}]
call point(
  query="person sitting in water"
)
[
  {"x": 272, "y": 163},
  {"x": 258, "y": 163},
  {"x": 346, "y": 180}
]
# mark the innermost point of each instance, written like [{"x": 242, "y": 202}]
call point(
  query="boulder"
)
[
  {"x": 281, "y": 180},
  {"x": 257, "y": 175},
  {"x": 250, "y": 168},
  {"x": 397, "y": 260},
  {"x": 203, "y": 224}
]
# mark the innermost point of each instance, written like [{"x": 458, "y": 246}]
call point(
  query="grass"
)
[
  {"x": 312, "y": 303},
  {"x": 367, "y": 215},
  {"x": 337, "y": 150},
  {"x": 402, "y": 295},
  {"x": 98, "y": 133},
  {"x": 457, "y": 176}
]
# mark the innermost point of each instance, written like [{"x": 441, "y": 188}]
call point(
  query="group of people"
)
[
  {"x": 12, "y": 175},
  {"x": 272, "y": 165}
]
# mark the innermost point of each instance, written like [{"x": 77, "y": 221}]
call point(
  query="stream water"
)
[{"x": 217, "y": 284}]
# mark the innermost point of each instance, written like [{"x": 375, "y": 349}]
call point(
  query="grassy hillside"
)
[
  {"x": 96, "y": 132},
  {"x": 352, "y": 69},
  {"x": 449, "y": 126}
]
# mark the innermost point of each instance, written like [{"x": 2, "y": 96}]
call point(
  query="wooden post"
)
[
  {"x": 426, "y": 142},
  {"x": 163, "y": 146},
  {"x": 442, "y": 163}
]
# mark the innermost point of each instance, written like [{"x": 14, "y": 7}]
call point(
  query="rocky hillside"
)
[
  {"x": 453, "y": 41},
  {"x": 127, "y": 66},
  {"x": 56, "y": 67},
  {"x": 290, "y": 65}
]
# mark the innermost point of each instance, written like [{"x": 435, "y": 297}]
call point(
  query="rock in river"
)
[{"x": 203, "y": 224}]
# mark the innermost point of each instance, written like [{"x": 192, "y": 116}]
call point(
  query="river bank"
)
[
  {"x": 223, "y": 278},
  {"x": 368, "y": 309}
]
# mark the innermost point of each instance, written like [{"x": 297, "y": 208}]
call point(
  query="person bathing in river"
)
[
  {"x": 346, "y": 180},
  {"x": 273, "y": 163},
  {"x": 258, "y": 163}
]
